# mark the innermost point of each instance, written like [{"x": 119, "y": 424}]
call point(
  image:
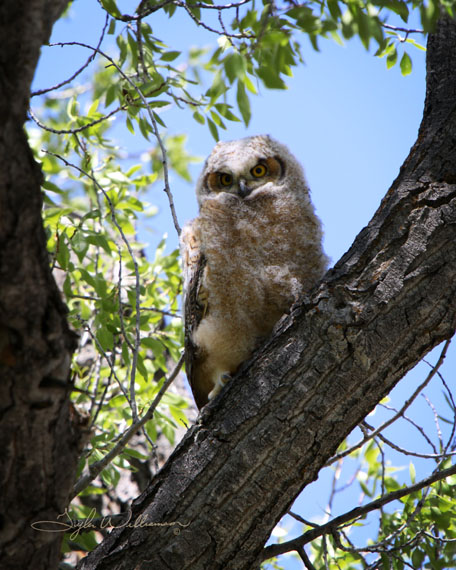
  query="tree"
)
[
  {"x": 329, "y": 362},
  {"x": 39, "y": 431}
]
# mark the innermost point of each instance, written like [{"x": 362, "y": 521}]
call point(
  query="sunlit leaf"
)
[{"x": 406, "y": 64}]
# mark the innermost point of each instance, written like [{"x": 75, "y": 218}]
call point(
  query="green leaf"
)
[
  {"x": 144, "y": 127},
  {"x": 224, "y": 110},
  {"x": 72, "y": 108},
  {"x": 334, "y": 9},
  {"x": 363, "y": 27},
  {"x": 406, "y": 64},
  {"x": 417, "y": 558},
  {"x": 123, "y": 49},
  {"x": 199, "y": 117},
  {"x": 243, "y": 103},
  {"x": 371, "y": 454},
  {"x": 99, "y": 240},
  {"x": 111, "y": 7},
  {"x": 213, "y": 129},
  {"x": 169, "y": 432},
  {"x": 110, "y": 476},
  {"x": 217, "y": 88},
  {"x": 155, "y": 345},
  {"x": 112, "y": 27},
  {"x": 385, "y": 561},
  {"x": 136, "y": 454},
  {"x": 63, "y": 254},
  {"x": 133, "y": 49},
  {"x": 170, "y": 55},
  {"x": 93, "y": 107},
  {"x": 249, "y": 85},
  {"x": 412, "y": 472},
  {"x": 142, "y": 368},
  {"x": 105, "y": 338},
  {"x": 159, "y": 120},
  {"x": 178, "y": 415},
  {"x": 130, "y": 125},
  {"x": 111, "y": 94},
  {"x": 429, "y": 15},
  {"x": 52, "y": 187},
  {"x": 234, "y": 66},
  {"x": 400, "y": 8},
  {"x": 67, "y": 286},
  {"x": 391, "y": 58},
  {"x": 217, "y": 120},
  {"x": 415, "y": 44},
  {"x": 151, "y": 429},
  {"x": 365, "y": 488}
]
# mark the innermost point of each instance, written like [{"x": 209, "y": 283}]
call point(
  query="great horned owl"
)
[{"x": 251, "y": 252}]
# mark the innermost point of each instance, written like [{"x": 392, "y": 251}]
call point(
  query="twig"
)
[
  {"x": 415, "y": 425},
  {"x": 101, "y": 401},
  {"x": 300, "y": 519},
  {"x": 77, "y": 129},
  {"x": 303, "y": 555},
  {"x": 208, "y": 28},
  {"x": 406, "y": 31},
  {"x": 409, "y": 452},
  {"x": 161, "y": 311},
  {"x": 453, "y": 406},
  {"x": 134, "y": 349},
  {"x": 80, "y": 70},
  {"x": 436, "y": 419}
]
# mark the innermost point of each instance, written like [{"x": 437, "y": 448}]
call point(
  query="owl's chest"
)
[{"x": 263, "y": 230}]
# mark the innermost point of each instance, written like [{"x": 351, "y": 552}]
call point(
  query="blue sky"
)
[{"x": 349, "y": 120}]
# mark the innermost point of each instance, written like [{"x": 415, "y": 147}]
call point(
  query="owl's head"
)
[{"x": 245, "y": 167}]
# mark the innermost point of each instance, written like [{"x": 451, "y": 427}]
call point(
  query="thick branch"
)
[{"x": 389, "y": 300}]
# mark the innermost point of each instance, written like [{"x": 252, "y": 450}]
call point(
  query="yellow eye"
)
[
  {"x": 225, "y": 179},
  {"x": 259, "y": 171}
]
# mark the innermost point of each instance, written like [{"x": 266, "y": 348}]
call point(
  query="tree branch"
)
[{"x": 358, "y": 512}]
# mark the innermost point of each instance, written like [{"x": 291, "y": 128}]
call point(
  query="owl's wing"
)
[{"x": 195, "y": 303}]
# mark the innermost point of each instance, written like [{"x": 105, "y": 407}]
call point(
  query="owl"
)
[{"x": 254, "y": 248}]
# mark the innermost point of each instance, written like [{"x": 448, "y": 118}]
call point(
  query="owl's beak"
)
[{"x": 244, "y": 190}]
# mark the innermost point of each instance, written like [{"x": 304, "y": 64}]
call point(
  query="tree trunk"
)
[
  {"x": 389, "y": 300},
  {"x": 38, "y": 433}
]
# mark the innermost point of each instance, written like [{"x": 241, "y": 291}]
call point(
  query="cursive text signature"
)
[{"x": 76, "y": 526}]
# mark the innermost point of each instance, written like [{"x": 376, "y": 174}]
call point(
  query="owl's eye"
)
[
  {"x": 259, "y": 171},
  {"x": 225, "y": 179}
]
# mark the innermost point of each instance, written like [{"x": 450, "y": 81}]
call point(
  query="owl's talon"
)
[
  {"x": 224, "y": 379},
  {"x": 221, "y": 381}
]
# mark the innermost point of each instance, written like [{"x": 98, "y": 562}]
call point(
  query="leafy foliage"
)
[{"x": 125, "y": 306}]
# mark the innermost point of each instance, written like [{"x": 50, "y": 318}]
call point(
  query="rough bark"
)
[
  {"x": 38, "y": 434},
  {"x": 389, "y": 300}
]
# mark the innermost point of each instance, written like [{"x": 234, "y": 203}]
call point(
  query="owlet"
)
[{"x": 252, "y": 251}]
